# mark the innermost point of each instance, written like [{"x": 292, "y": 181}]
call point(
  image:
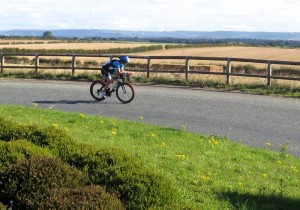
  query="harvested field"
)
[{"x": 70, "y": 46}]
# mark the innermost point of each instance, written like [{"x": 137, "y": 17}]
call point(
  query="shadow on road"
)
[
  {"x": 67, "y": 102},
  {"x": 75, "y": 102}
]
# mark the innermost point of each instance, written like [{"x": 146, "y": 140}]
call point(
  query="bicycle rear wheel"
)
[
  {"x": 125, "y": 92},
  {"x": 96, "y": 90}
]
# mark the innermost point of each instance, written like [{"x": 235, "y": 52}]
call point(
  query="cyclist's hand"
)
[{"x": 128, "y": 73}]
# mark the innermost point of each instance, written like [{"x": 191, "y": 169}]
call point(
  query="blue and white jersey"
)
[{"x": 113, "y": 65}]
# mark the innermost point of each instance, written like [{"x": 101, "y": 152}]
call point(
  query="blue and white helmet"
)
[{"x": 124, "y": 59}]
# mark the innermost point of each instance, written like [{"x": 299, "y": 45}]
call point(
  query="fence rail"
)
[{"x": 227, "y": 73}]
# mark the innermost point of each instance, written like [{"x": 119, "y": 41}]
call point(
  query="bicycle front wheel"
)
[
  {"x": 96, "y": 90},
  {"x": 125, "y": 92}
]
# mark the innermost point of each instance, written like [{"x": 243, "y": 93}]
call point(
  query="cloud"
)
[{"x": 200, "y": 15}]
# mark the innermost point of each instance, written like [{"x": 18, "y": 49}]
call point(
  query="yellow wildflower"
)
[
  {"x": 114, "y": 131},
  {"x": 268, "y": 144},
  {"x": 82, "y": 115},
  {"x": 181, "y": 156},
  {"x": 264, "y": 175},
  {"x": 55, "y": 125},
  {"x": 153, "y": 135},
  {"x": 162, "y": 144},
  {"x": 213, "y": 142},
  {"x": 293, "y": 168},
  {"x": 204, "y": 177},
  {"x": 35, "y": 105}
]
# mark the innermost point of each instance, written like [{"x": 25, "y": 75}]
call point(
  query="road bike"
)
[{"x": 124, "y": 91}]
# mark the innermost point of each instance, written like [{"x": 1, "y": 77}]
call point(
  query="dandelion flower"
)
[
  {"x": 162, "y": 144},
  {"x": 153, "y": 135},
  {"x": 35, "y": 105},
  {"x": 114, "y": 131},
  {"x": 268, "y": 144},
  {"x": 181, "y": 156},
  {"x": 82, "y": 115},
  {"x": 264, "y": 175},
  {"x": 205, "y": 178}
]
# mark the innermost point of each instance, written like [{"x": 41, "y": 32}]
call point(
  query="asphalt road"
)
[{"x": 251, "y": 119}]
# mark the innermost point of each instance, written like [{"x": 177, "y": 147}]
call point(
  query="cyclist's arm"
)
[{"x": 123, "y": 72}]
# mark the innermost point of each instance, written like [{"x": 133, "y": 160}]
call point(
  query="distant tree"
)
[{"x": 47, "y": 35}]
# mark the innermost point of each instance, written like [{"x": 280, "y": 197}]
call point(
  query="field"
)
[
  {"x": 29, "y": 44},
  {"x": 266, "y": 53}
]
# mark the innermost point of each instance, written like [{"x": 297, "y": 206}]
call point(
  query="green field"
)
[{"x": 209, "y": 172}]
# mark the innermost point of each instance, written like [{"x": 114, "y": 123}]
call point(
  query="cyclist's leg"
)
[{"x": 108, "y": 79}]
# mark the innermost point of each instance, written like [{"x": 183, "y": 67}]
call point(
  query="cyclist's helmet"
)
[{"x": 124, "y": 59}]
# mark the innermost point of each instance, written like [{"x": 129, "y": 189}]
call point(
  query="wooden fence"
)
[{"x": 227, "y": 73}]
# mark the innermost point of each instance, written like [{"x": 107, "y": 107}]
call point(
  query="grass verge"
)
[{"x": 210, "y": 172}]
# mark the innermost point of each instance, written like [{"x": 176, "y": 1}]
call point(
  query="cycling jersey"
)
[{"x": 112, "y": 66}]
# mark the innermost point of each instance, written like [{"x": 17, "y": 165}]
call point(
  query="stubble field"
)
[{"x": 266, "y": 53}]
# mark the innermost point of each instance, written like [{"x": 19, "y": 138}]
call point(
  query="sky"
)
[{"x": 152, "y": 15}]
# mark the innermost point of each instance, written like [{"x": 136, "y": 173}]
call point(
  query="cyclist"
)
[{"x": 114, "y": 67}]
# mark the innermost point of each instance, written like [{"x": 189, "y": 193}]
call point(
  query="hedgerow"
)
[
  {"x": 82, "y": 51},
  {"x": 27, "y": 182},
  {"x": 18, "y": 150},
  {"x": 89, "y": 197},
  {"x": 137, "y": 187},
  {"x": 2, "y": 206}
]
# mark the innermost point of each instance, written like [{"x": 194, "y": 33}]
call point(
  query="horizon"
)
[{"x": 103, "y": 29}]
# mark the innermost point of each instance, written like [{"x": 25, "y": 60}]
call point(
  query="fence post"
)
[
  {"x": 148, "y": 66},
  {"x": 37, "y": 62},
  {"x": 269, "y": 73},
  {"x": 187, "y": 68},
  {"x": 73, "y": 64},
  {"x": 228, "y": 71},
  {"x": 2, "y": 62}
]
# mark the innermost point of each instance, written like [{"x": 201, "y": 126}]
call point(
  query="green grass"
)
[{"x": 210, "y": 172}]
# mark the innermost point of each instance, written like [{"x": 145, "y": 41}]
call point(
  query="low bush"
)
[
  {"x": 28, "y": 182},
  {"x": 18, "y": 150},
  {"x": 89, "y": 197},
  {"x": 41, "y": 136},
  {"x": 7, "y": 129},
  {"x": 138, "y": 187},
  {"x": 2, "y": 206}
]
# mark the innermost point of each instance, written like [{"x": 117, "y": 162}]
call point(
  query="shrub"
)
[
  {"x": 41, "y": 136},
  {"x": 7, "y": 129},
  {"x": 14, "y": 151},
  {"x": 2, "y": 206},
  {"x": 137, "y": 186},
  {"x": 28, "y": 182},
  {"x": 90, "y": 197}
]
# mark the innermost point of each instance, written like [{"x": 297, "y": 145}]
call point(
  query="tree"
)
[{"x": 47, "y": 35}]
